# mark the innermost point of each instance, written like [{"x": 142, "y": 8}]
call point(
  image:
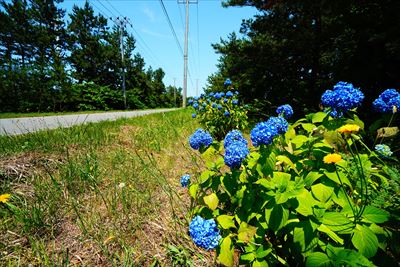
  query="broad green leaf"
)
[
  {"x": 261, "y": 252},
  {"x": 375, "y": 215},
  {"x": 323, "y": 228},
  {"x": 318, "y": 259},
  {"x": 277, "y": 217},
  {"x": 193, "y": 190},
  {"x": 259, "y": 263},
  {"x": 248, "y": 257},
  {"x": 305, "y": 238},
  {"x": 211, "y": 201},
  {"x": 340, "y": 198},
  {"x": 281, "y": 180},
  {"x": 365, "y": 241},
  {"x": 318, "y": 117},
  {"x": 299, "y": 140},
  {"x": 306, "y": 202},
  {"x": 348, "y": 257},
  {"x": 226, "y": 253},
  {"x": 205, "y": 176},
  {"x": 322, "y": 192},
  {"x": 311, "y": 178},
  {"x": 286, "y": 160},
  {"x": 337, "y": 222},
  {"x": 226, "y": 221},
  {"x": 246, "y": 232},
  {"x": 309, "y": 127},
  {"x": 334, "y": 177}
]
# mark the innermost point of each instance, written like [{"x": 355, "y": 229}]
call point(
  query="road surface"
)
[{"x": 32, "y": 124}]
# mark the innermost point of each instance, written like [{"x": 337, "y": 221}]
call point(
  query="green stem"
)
[{"x": 347, "y": 197}]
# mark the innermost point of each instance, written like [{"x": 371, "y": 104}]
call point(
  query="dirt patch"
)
[
  {"x": 70, "y": 242},
  {"x": 126, "y": 133},
  {"x": 19, "y": 167}
]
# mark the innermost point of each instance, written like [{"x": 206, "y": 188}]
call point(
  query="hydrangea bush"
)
[
  {"x": 303, "y": 193},
  {"x": 220, "y": 112}
]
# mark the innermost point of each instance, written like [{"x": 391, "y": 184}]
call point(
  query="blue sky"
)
[{"x": 209, "y": 22}]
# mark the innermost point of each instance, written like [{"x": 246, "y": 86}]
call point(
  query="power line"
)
[
  {"x": 171, "y": 27},
  {"x": 106, "y": 8}
]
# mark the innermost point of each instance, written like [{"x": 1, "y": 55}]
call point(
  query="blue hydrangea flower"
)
[
  {"x": 263, "y": 133},
  {"x": 219, "y": 107},
  {"x": 201, "y": 96},
  {"x": 222, "y": 94},
  {"x": 218, "y": 96},
  {"x": 225, "y": 100},
  {"x": 383, "y": 150},
  {"x": 204, "y": 104},
  {"x": 234, "y": 136},
  {"x": 280, "y": 123},
  {"x": 387, "y": 100},
  {"x": 214, "y": 105},
  {"x": 226, "y": 113},
  {"x": 342, "y": 98},
  {"x": 236, "y": 92},
  {"x": 194, "y": 115},
  {"x": 227, "y": 82},
  {"x": 285, "y": 110},
  {"x": 235, "y": 153},
  {"x": 235, "y": 101},
  {"x": 196, "y": 98},
  {"x": 200, "y": 138},
  {"x": 190, "y": 102},
  {"x": 204, "y": 233},
  {"x": 211, "y": 94},
  {"x": 185, "y": 180},
  {"x": 196, "y": 105},
  {"x": 229, "y": 94}
]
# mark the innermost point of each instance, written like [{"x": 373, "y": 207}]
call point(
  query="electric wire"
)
[{"x": 171, "y": 26}]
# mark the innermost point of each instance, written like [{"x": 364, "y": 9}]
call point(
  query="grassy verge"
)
[
  {"x": 103, "y": 194},
  {"x": 7, "y": 115}
]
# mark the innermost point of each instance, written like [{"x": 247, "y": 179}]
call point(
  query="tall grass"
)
[{"x": 105, "y": 200}]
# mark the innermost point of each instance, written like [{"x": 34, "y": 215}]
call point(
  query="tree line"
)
[
  {"x": 293, "y": 50},
  {"x": 48, "y": 63}
]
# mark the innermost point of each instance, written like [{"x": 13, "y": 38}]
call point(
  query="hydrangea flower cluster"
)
[
  {"x": 227, "y": 113},
  {"x": 285, "y": 110},
  {"x": 227, "y": 82},
  {"x": 388, "y": 101},
  {"x": 264, "y": 132},
  {"x": 200, "y": 138},
  {"x": 234, "y": 136},
  {"x": 235, "y": 154},
  {"x": 342, "y": 98},
  {"x": 194, "y": 115},
  {"x": 383, "y": 150},
  {"x": 204, "y": 233},
  {"x": 185, "y": 180}
]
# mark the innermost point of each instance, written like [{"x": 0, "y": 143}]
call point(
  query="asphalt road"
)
[{"x": 32, "y": 124}]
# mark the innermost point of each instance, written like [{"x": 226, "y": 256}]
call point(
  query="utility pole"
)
[
  {"x": 174, "y": 93},
  {"x": 121, "y": 23},
  {"x": 185, "y": 53}
]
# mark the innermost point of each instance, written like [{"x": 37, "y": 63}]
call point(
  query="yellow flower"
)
[
  {"x": 4, "y": 198},
  {"x": 332, "y": 158},
  {"x": 349, "y": 128}
]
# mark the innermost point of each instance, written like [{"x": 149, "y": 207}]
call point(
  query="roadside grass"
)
[
  {"x": 8, "y": 115},
  {"x": 104, "y": 194}
]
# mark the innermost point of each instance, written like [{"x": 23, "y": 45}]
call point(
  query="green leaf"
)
[
  {"x": 334, "y": 177},
  {"x": 281, "y": 180},
  {"x": 318, "y": 117},
  {"x": 193, "y": 190},
  {"x": 323, "y": 228},
  {"x": 311, "y": 178},
  {"x": 309, "y": 127},
  {"x": 211, "y": 201},
  {"x": 299, "y": 140},
  {"x": 226, "y": 221},
  {"x": 277, "y": 217},
  {"x": 322, "y": 192},
  {"x": 318, "y": 259},
  {"x": 375, "y": 215},
  {"x": 305, "y": 238},
  {"x": 246, "y": 232},
  {"x": 226, "y": 252},
  {"x": 287, "y": 161},
  {"x": 248, "y": 257},
  {"x": 365, "y": 241},
  {"x": 348, "y": 257},
  {"x": 306, "y": 202},
  {"x": 205, "y": 176},
  {"x": 260, "y": 263},
  {"x": 337, "y": 222}
]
